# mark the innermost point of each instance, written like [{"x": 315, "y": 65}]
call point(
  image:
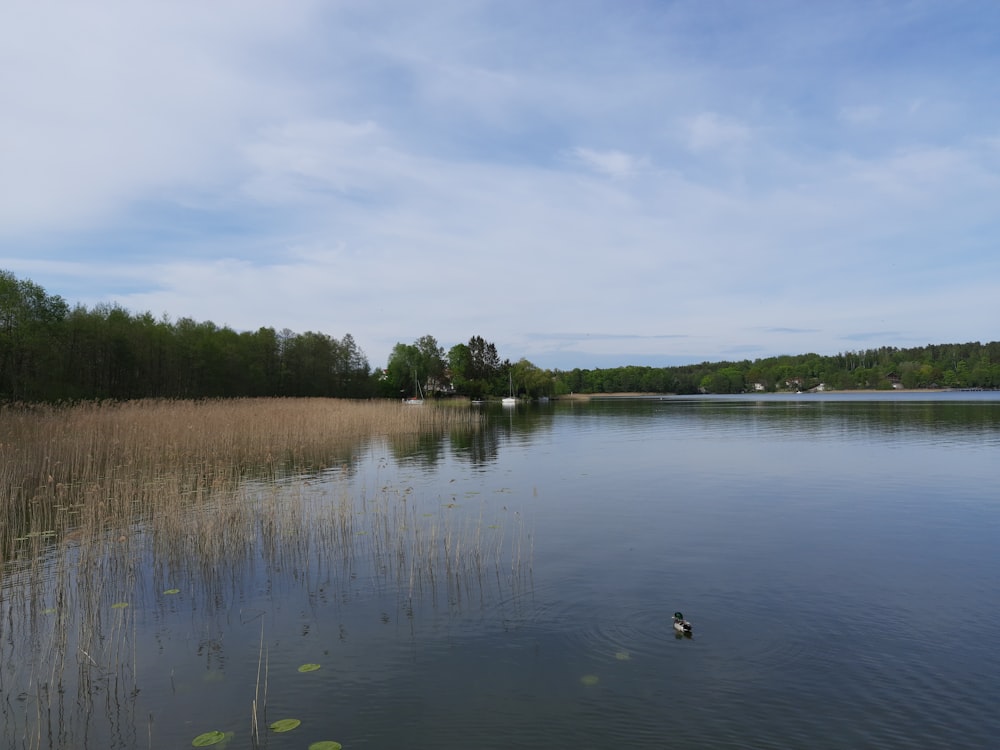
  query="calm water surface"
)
[{"x": 837, "y": 556}]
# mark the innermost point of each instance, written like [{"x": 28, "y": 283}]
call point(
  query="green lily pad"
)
[
  {"x": 326, "y": 745},
  {"x": 589, "y": 680},
  {"x": 285, "y": 725},
  {"x": 119, "y": 605},
  {"x": 208, "y": 738},
  {"x": 309, "y": 667},
  {"x": 172, "y": 591}
]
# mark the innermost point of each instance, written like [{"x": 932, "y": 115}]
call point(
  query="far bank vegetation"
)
[{"x": 50, "y": 352}]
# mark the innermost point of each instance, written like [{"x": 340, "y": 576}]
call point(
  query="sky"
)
[{"x": 584, "y": 183}]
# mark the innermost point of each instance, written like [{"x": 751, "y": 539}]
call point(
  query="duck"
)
[{"x": 681, "y": 625}]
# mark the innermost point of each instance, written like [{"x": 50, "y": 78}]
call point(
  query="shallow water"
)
[{"x": 836, "y": 555}]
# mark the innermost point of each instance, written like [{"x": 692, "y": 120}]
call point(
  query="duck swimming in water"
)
[{"x": 681, "y": 625}]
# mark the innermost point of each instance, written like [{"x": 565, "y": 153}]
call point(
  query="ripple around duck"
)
[{"x": 820, "y": 675}]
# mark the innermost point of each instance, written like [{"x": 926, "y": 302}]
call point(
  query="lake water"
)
[{"x": 837, "y": 556}]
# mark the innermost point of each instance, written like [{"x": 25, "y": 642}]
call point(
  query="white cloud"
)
[
  {"x": 613, "y": 163},
  {"x": 709, "y": 131},
  {"x": 391, "y": 171}
]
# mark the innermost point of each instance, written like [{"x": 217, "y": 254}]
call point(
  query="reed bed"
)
[
  {"x": 102, "y": 502},
  {"x": 104, "y": 461}
]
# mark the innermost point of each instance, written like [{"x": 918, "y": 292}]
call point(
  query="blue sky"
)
[{"x": 583, "y": 183}]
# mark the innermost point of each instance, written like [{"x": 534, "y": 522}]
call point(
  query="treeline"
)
[
  {"x": 970, "y": 365},
  {"x": 52, "y": 352},
  {"x": 474, "y": 370}
]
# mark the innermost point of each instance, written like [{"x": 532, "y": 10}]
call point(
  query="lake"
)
[{"x": 513, "y": 588}]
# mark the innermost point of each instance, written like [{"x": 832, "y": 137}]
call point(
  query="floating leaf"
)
[
  {"x": 285, "y": 725},
  {"x": 119, "y": 605},
  {"x": 309, "y": 667},
  {"x": 589, "y": 680},
  {"x": 172, "y": 591},
  {"x": 326, "y": 745},
  {"x": 622, "y": 655},
  {"x": 208, "y": 738}
]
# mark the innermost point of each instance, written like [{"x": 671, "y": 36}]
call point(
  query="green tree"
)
[
  {"x": 31, "y": 326},
  {"x": 432, "y": 366},
  {"x": 403, "y": 371}
]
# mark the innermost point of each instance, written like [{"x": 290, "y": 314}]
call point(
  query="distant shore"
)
[{"x": 636, "y": 394}]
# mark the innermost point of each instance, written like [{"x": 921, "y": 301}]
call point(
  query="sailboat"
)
[
  {"x": 417, "y": 399},
  {"x": 509, "y": 400}
]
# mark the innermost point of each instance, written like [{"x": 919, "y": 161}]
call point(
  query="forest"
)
[{"x": 52, "y": 352}]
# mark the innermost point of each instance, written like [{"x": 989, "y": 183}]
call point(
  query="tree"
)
[
  {"x": 474, "y": 367},
  {"x": 31, "y": 323},
  {"x": 431, "y": 366},
  {"x": 460, "y": 370},
  {"x": 402, "y": 371}
]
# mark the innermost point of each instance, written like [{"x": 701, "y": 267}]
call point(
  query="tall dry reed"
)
[
  {"x": 90, "y": 494},
  {"x": 103, "y": 462}
]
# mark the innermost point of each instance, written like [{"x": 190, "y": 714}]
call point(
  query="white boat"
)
[
  {"x": 509, "y": 400},
  {"x": 417, "y": 399}
]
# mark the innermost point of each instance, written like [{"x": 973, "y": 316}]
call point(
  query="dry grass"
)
[
  {"x": 90, "y": 494},
  {"x": 107, "y": 461}
]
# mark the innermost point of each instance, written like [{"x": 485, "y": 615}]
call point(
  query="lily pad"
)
[
  {"x": 309, "y": 667},
  {"x": 119, "y": 605},
  {"x": 326, "y": 745},
  {"x": 172, "y": 591},
  {"x": 285, "y": 725},
  {"x": 589, "y": 680},
  {"x": 208, "y": 738}
]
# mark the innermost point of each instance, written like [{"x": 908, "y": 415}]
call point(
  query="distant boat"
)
[
  {"x": 417, "y": 399},
  {"x": 509, "y": 400}
]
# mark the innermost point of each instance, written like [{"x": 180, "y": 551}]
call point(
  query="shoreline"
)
[{"x": 638, "y": 394}]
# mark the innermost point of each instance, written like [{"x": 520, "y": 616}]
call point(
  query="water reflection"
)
[
  {"x": 130, "y": 638},
  {"x": 514, "y": 586}
]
